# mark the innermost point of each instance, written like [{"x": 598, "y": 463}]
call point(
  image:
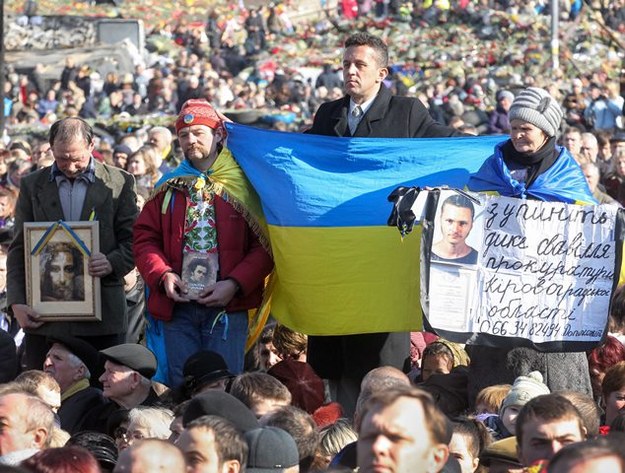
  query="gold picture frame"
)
[{"x": 58, "y": 285}]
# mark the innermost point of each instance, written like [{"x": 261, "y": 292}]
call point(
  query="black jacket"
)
[
  {"x": 352, "y": 356},
  {"x": 8, "y": 358},
  {"x": 74, "y": 408},
  {"x": 389, "y": 116}
]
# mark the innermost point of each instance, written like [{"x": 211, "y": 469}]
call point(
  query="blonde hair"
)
[
  {"x": 335, "y": 436},
  {"x": 492, "y": 397}
]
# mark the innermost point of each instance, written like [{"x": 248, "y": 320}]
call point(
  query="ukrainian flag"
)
[{"x": 339, "y": 268}]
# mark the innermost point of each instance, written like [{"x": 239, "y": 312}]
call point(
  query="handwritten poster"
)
[{"x": 500, "y": 268}]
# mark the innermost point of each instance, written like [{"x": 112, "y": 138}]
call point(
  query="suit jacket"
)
[
  {"x": 352, "y": 356},
  {"x": 8, "y": 357},
  {"x": 389, "y": 116},
  {"x": 112, "y": 196}
]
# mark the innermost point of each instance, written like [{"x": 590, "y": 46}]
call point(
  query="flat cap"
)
[
  {"x": 222, "y": 404},
  {"x": 271, "y": 450},
  {"x": 134, "y": 356},
  {"x": 502, "y": 450},
  {"x": 617, "y": 137}
]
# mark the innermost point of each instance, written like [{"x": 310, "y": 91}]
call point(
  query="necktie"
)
[{"x": 355, "y": 118}]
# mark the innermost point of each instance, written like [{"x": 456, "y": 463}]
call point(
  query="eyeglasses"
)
[{"x": 120, "y": 434}]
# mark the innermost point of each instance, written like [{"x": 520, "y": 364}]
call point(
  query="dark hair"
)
[
  {"x": 613, "y": 380},
  {"x": 603, "y": 138},
  {"x": 475, "y": 432},
  {"x": 230, "y": 443},
  {"x": 600, "y": 447},
  {"x": 70, "y": 459},
  {"x": 366, "y": 39},
  {"x": 459, "y": 200},
  {"x": 197, "y": 262},
  {"x": 617, "y": 310},
  {"x": 50, "y": 251},
  {"x": 572, "y": 129},
  {"x": 69, "y": 129},
  {"x": 289, "y": 343},
  {"x": 438, "y": 349},
  {"x": 550, "y": 408},
  {"x": 618, "y": 424},
  {"x": 267, "y": 334},
  {"x": 302, "y": 428},
  {"x": 249, "y": 388}
]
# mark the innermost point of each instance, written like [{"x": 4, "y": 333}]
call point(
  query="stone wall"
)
[{"x": 42, "y": 33}]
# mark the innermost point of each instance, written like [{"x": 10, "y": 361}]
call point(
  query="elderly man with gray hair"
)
[
  {"x": 26, "y": 422},
  {"x": 72, "y": 362},
  {"x": 162, "y": 139},
  {"x": 590, "y": 147},
  {"x": 128, "y": 369},
  {"x": 592, "y": 175}
]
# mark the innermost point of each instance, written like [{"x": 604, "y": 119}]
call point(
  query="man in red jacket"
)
[{"x": 204, "y": 209}]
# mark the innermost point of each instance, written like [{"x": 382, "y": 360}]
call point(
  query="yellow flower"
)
[{"x": 200, "y": 183}]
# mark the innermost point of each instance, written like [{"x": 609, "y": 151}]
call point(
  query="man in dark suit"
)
[
  {"x": 367, "y": 110},
  {"x": 381, "y": 115},
  {"x": 76, "y": 188}
]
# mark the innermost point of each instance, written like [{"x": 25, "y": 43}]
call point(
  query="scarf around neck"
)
[{"x": 226, "y": 178}]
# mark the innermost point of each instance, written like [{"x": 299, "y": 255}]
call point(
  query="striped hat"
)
[{"x": 538, "y": 107}]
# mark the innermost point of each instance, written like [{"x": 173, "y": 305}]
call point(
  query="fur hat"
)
[
  {"x": 524, "y": 388},
  {"x": 537, "y": 107},
  {"x": 198, "y": 112}
]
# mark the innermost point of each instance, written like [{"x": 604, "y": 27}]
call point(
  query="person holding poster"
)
[
  {"x": 456, "y": 222},
  {"x": 204, "y": 207},
  {"x": 530, "y": 165}
]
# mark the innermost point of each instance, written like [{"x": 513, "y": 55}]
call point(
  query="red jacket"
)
[{"x": 158, "y": 243}]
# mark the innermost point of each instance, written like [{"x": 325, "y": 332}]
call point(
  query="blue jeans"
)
[{"x": 195, "y": 327}]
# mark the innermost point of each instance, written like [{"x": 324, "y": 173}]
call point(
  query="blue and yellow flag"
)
[{"x": 339, "y": 268}]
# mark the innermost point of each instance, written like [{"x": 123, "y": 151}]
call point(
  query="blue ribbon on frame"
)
[{"x": 49, "y": 233}]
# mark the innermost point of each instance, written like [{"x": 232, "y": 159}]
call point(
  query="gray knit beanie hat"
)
[
  {"x": 538, "y": 107},
  {"x": 524, "y": 388}
]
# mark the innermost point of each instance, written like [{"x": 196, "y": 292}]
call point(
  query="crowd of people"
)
[
  {"x": 277, "y": 72},
  {"x": 172, "y": 205}
]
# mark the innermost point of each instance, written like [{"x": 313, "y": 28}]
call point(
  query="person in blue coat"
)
[{"x": 530, "y": 165}]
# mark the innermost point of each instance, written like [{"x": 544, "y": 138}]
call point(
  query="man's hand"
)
[
  {"x": 99, "y": 265},
  {"x": 174, "y": 287},
  {"x": 219, "y": 294},
  {"x": 26, "y": 316},
  {"x": 222, "y": 117}
]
